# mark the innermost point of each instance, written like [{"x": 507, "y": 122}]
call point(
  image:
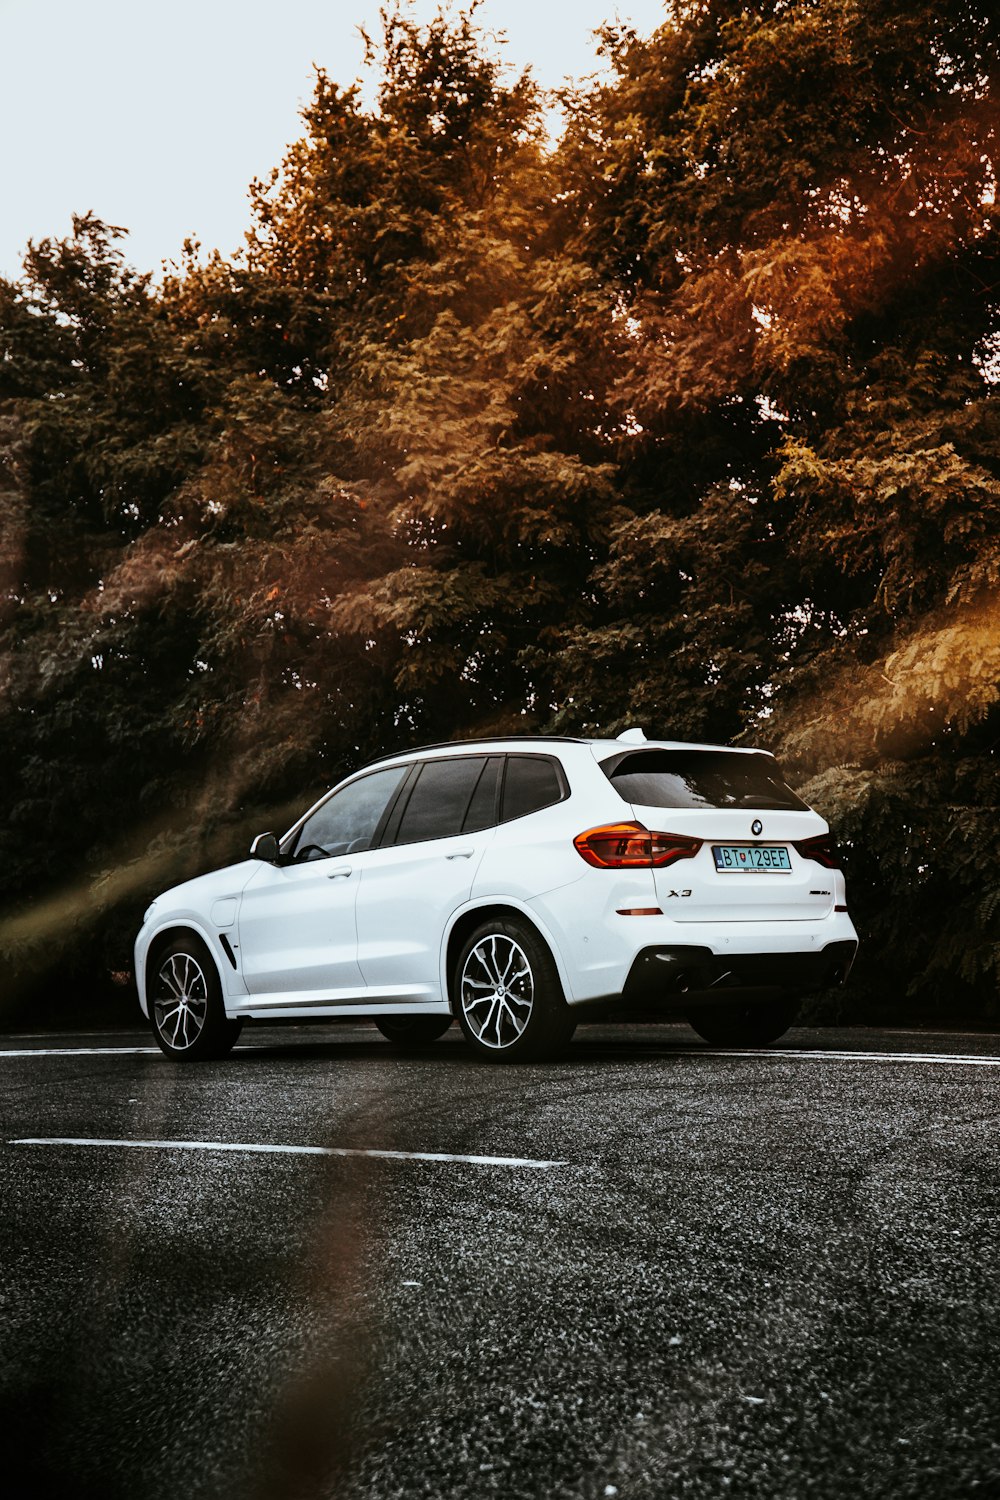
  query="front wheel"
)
[
  {"x": 185, "y": 1003},
  {"x": 744, "y": 1025},
  {"x": 507, "y": 994},
  {"x": 412, "y": 1031}
]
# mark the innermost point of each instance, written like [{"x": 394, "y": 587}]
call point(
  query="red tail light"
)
[
  {"x": 822, "y": 848},
  {"x": 629, "y": 846}
]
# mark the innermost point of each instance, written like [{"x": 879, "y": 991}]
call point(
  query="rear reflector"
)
[
  {"x": 640, "y": 911},
  {"x": 840, "y": 908},
  {"x": 630, "y": 846}
]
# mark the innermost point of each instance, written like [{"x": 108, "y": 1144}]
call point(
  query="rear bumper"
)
[{"x": 667, "y": 971}]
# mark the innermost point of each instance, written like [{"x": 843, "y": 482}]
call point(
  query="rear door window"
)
[
  {"x": 531, "y": 782},
  {"x": 700, "y": 778},
  {"x": 482, "y": 811},
  {"x": 440, "y": 800}
]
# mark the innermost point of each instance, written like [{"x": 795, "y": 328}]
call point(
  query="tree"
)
[
  {"x": 795, "y": 203},
  {"x": 689, "y": 421}
]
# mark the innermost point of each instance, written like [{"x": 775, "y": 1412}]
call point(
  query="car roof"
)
[
  {"x": 493, "y": 742},
  {"x": 525, "y": 742}
]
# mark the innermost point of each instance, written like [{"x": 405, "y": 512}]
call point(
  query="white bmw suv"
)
[{"x": 513, "y": 884}]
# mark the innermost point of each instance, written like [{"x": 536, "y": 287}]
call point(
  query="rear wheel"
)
[
  {"x": 185, "y": 1003},
  {"x": 412, "y": 1031},
  {"x": 744, "y": 1025},
  {"x": 507, "y": 994}
]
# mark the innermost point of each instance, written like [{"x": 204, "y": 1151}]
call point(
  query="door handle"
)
[
  {"x": 461, "y": 854},
  {"x": 340, "y": 873}
]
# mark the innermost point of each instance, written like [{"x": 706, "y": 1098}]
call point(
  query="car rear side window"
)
[
  {"x": 440, "y": 799},
  {"x": 531, "y": 782},
  {"x": 700, "y": 778}
]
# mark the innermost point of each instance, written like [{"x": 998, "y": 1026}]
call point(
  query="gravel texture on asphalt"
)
[{"x": 759, "y": 1276}]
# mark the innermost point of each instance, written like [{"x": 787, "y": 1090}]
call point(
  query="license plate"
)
[{"x": 752, "y": 859}]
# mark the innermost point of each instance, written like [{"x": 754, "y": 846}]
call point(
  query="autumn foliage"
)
[{"x": 688, "y": 421}]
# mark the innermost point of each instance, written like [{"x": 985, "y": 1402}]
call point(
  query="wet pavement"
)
[{"x": 651, "y": 1269}]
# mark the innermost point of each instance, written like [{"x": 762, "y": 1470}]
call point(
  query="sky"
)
[{"x": 157, "y": 116}]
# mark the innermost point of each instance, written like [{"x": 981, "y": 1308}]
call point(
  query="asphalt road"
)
[{"x": 772, "y": 1274}]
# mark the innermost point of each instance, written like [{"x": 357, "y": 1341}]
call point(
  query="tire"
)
[
  {"x": 744, "y": 1025},
  {"x": 507, "y": 995},
  {"x": 185, "y": 1003},
  {"x": 410, "y": 1032}
]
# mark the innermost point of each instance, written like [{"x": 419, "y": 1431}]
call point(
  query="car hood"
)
[{"x": 218, "y": 885}]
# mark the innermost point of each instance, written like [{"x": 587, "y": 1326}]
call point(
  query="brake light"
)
[
  {"x": 823, "y": 849},
  {"x": 630, "y": 846}
]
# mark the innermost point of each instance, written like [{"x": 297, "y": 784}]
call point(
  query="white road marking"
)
[
  {"x": 103, "y": 1051},
  {"x": 903, "y": 1031},
  {"x": 445, "y": 1156},
  {"x": 80, "y": 1052},
  {"x": 805, "y": 1054}
]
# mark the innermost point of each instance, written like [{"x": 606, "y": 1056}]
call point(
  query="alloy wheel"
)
[
  {"x": 497, "y": 991},
  {"x": 181, "y": 1007}
]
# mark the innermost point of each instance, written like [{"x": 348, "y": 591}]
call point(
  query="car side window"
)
[
  {"x": 482, "y": 811},
  {"x": 347, "y": 822},
  {"x": 531, "y": 783},
  {"x": 440, "y": 799}
]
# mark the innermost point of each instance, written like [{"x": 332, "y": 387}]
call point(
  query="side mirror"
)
[{"x": 265, "y": 846}]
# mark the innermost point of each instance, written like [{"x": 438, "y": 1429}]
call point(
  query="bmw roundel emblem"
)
[{"x": 756, "y": 827}]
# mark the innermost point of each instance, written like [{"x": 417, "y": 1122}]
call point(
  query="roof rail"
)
[{"x": 488, "y": 739}]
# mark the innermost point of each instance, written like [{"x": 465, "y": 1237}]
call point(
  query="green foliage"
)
[{"x": 689, "y": 422}]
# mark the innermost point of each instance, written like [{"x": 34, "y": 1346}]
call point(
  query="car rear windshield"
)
[{"x": 700, "y": 778}]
